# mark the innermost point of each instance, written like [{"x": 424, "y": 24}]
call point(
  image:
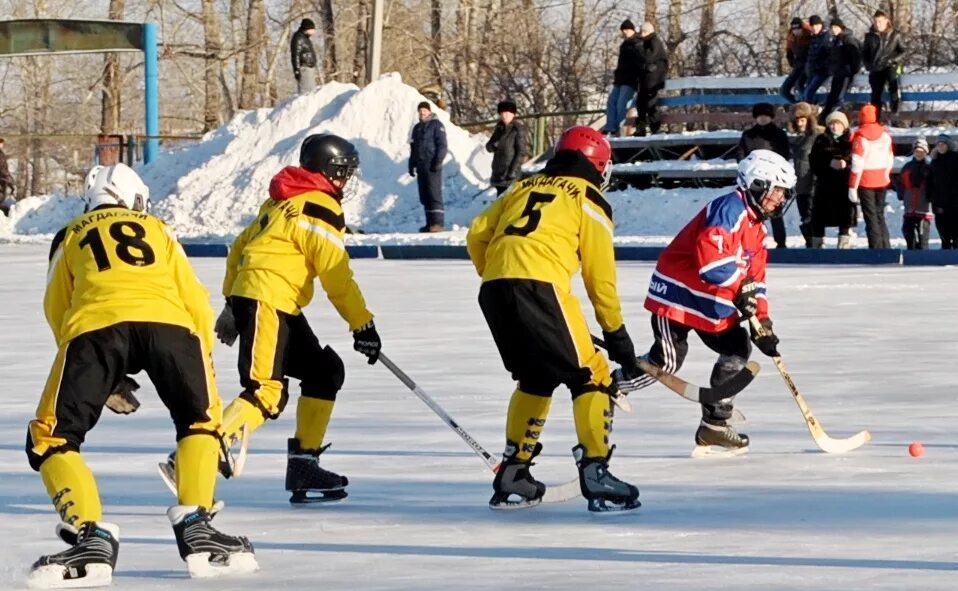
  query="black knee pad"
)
[
  {"x": 725, "y": 368},
  {"x": 581, "y": 389},
  {"x": 328, "y": 379},
  {"x": 537, "y": 388},
  {"x": 36, "y": 460}
]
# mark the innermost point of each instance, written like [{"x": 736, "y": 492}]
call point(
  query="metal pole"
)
[
  {"x": 376, "y": 42},
  {"x": 152, "y": 91}
]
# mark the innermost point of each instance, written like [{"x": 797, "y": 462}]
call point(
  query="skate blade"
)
[
  {"x": 330, "y": 496},
  {"x": 168, "y": 475},
  {"x": 508, "y": 505},
  {"x": 607, "y": 506},
  {"x": 622, "y": 401},
  {"x": 200, "y": 567},
  {"x": 717, "y": 451},
  {"x": 57, "y": 576}
]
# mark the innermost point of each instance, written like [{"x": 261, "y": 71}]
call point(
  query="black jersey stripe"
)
[
  {"x": 597, "y": 198},
  {"x": 315, "y": 210}
]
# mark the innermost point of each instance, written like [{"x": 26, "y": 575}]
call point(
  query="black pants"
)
[
  {"x": 873, "y": 210},
  {"x": 500, "y": 189},
  {"x": 878, "y": 79},
  {"x": 430, "y": 195},
  {"x": 672, "y": 345},
  {"x": 947, "y": 224},
  {"x": 778, "y": 232},
  {"x": 915, "y": 229},
  {"x": 836, "y": 96},
  {"x": 647, "y": 108},
  {"x": 804, "y": 203}
]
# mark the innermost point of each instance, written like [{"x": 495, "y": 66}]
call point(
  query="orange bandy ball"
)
[{"x": 916, "y": 449}]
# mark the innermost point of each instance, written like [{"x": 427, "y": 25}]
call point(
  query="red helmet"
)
[{"x": 591, "y": 144}]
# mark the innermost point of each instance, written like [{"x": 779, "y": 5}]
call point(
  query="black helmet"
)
[{"x": 329, "y": 155}]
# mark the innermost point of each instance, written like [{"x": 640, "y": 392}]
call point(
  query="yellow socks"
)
[
  {"x": 197, "y": 458},
  {"x": 592, "y": 412},
  {"x": 527, "y": 417},
  {"x": 72, "y": 488},
  {"x": 312, "y": 418}
]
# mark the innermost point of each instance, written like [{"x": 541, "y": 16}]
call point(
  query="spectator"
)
[
  {"x": 624, "y": 79},
  {"x": 6, "y": 180},
  {"x": 942, "y": 190},
  {"x": 765, "y": 135},
  {"x": 872, "y": 159},
  {"x": 882, "y": 54},
  {"x": 510, "y": 147},
  {"x": 796, "y": 52},
  {"x": 655, "y": 64},
  {"x": 846, "y": 60},
  {"x": 817, "y": 66},
  {"x": 303, "y": 56},
  {"x": 830, "y": 161},
  {"x": 425, "y": 163},
  {"x": 806, "y": 131},
  {"x": 912, "y": 185}
]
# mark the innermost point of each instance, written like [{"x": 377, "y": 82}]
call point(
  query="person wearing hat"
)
[
  {"x": 624, "y": 78},
  {"x": 796, "y": 53},
  {"x": 830, "y": 161},
  {"x": 818, "y": 64},
  {"x": 942, "y": 190},
  {"x": 911, "y": 189},
  {"x": 802, "y": 123},
  {"x": 873, "y": 156},
  {"x": 655, "y": 64},
  {"x": 303, "y": 56},
  {"x": 427, "y": 152},
  {"x": 846, "y": 60},
  {"x": 510, "y": 147},
  {"x": 882, "y": 53},
  {"x": 765, "y": 135}
]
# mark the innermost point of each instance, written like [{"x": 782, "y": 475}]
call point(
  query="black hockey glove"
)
[
  {"x": 747, "y": 298},
  {"x": 225, "y": 327},
  {"x": 366, "y": 340},
  {"x": 767, "y": 342},
  {"x": 122, "y": 401},
  {"x": 620, "y": 348},
  {"x": 412, "y": 170}
]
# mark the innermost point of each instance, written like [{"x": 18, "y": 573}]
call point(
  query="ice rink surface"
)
[{"x": 869, "y": 347}]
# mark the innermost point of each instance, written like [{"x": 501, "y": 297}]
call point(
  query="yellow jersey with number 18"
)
[
  {"x": 113, "y": 265},
  {"x": 544, "y": 228}
]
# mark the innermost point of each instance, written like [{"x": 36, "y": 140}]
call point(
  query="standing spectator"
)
[
  {"x": 830, "y": 161},
  {"x": 817, "y": 66},
  {"x": 882, "y": 54},
  {"x": 303, "y": 56},
  {"x": 806, "y": 131},
  {"x": 655, "y": 64},
  {"x": 872, "y": 159},
  {"x": 624, "y": 79},
  {"x": 6, "y": 180},
  {"x": 425, "y": 163},
  {"x": 942, "y": 190},
  {"x": 912, "y": 185},
  {"x": 765, "y": 135},
  {"x": 846, "y": 61},
  {"x": 510, "y": 147},
  {"x": 796, "y": 52}
]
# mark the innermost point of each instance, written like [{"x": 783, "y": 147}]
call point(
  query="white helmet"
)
[
  {"x": 761, "y": 171},
  {"x": 116, "y": 185}
]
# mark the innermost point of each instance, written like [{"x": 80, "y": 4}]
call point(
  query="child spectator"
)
[{"x": 912, "y": 184}]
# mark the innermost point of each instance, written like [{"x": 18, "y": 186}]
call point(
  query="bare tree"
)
[
  {"x": 110, "y": 102},
  {"x": 330, "y": 63},
  {"x": 676, "y": 37},
  {"x": 361, "y": 46},
  {"x": 435, "y": 21},
  {"x": 706, "y": 32},
  {"x": 784, "y": 18},
  {"x": 651, "y": 14},
  {"x": 252, "y": 53},
  {"x": 213, "y": 99}
]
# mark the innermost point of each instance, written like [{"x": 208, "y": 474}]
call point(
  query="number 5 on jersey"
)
[{"x": 532, "y": 213}]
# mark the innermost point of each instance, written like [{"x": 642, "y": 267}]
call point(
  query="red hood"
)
[
  {"x": 293, "y": 181},
  {"x": 871, "y": 131}
]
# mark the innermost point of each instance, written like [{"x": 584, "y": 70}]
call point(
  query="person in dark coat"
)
[
  {"x": 765, "y": 135},
  {"x": 882, "y": 53},
  {"x": 655, "y": 65},
  {"x": 796, "y": 53},
  {"x": 818, "y": 64},
  {"x": 425, "y": 163},
  {"x": 830, "y": 160},
  {"x": 942, "y": 189},
  {"x": 6, "y": 179},
  {"x": 624, "y": 78},
  {"x": 912, "y": 192},
  {"x": 510, "y": 147},
  {"x": 846, "y": 61},
  {"x": 803, "y": 126},
  {"x": 303, "y": 56}
]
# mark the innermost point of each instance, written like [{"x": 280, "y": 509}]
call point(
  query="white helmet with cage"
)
[
  {"x": 759, "y": 173},
  {"x": 116, "y": 185}
]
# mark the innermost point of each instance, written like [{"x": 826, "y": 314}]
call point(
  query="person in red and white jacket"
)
[
  {"x": 711, "y": 277},
  {"x": 872, "y": 160}
]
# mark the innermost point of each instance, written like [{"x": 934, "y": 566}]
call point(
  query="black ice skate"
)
[
  {"x": 514, "y": 486},
  {"x": 304, "y": 475},
  {"x": 207, "y": 551},
  {"x": 602, "y": 490},
  {"x": 718, "y": 439},
  {"x": 89, "y": 562}
]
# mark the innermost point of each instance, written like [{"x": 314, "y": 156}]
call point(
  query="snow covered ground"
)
[{"x": 861, "y": 347}]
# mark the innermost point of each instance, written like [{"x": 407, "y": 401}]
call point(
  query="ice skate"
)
[
  {"x": 231, "y": 463},
  {"x": 207, "y": 551},
  {"x": 720, "y": 440},
  {"x": 514, "y": 486},
  {"x": 304, "y": 475},
  {"x": 89, "y": 562},
  {"x": 602, "y": 490}
]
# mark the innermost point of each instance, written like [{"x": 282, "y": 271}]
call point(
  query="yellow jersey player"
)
[
  {"x": 527, "y": 246},
  {"x": 121, "y": 298},
  {"x": 296, "y": 237}
]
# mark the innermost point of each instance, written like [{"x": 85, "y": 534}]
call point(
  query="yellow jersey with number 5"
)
[
  {"x": 544, "y": 228},
  {"x": 113, "y": 265}
]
